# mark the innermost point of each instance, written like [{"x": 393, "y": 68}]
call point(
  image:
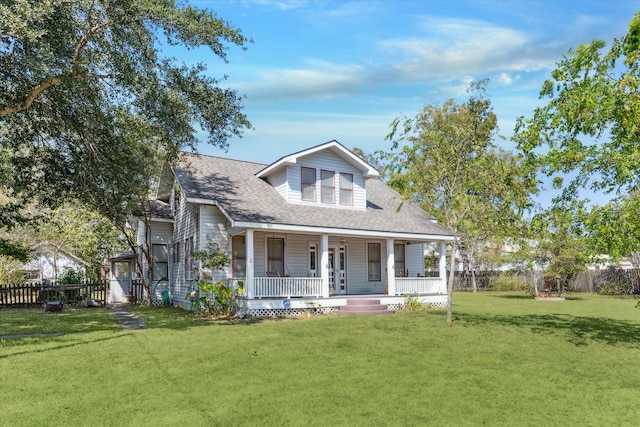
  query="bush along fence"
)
[
  {"x": 28, "y": 294},
  {"x": 604, "y": 281}
]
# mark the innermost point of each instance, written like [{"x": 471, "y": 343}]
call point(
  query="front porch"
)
[
  {"x": 312, "y": 287},
  {"x": 298, "y": 296},
  {"x": 276, "y": 265},
  {"x": 294, "y": 307}
]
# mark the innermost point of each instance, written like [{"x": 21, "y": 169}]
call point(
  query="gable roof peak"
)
[{"x": 368, "y": 171}]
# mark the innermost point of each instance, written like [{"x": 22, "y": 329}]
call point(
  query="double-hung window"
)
[
  {"x": 399, "y": 259},
  {"x": 160, "y": 256},
  {"x": 239, "y": 260},
  {"x": 308, "y": 184},
  {"x": 374, "y": 262},
  {"x": 275, "y": 256},
  {"x": 346, "y": 189},
  {"x": 328, "y": 189}
]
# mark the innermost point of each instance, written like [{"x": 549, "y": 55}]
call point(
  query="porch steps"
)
[{"x": 359, "y": 307}]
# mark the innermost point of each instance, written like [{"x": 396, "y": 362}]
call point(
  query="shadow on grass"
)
[
  {"x": 579, "y": 330},
  {"x": 63, "y": 345},
  {"x": 514, "y": 296},
  {"x": 176, "y": 318}
]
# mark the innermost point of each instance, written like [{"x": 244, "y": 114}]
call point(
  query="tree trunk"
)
[
  {"x": 452, "y": 270},
  {"x": 149, "y": 255},
  {"x": 474, "y": 285}
]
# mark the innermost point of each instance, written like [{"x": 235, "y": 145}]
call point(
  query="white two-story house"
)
[{"x": 315, "y": 226}]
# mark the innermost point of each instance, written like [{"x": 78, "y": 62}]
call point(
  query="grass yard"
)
[{"x": 507, "y": 361}]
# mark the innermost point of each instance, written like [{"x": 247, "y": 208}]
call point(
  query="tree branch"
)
[
  {"x": 44, "y": 86},
  {"x": 75, "y": 73}
]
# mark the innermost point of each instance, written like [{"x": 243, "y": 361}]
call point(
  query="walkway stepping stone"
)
[{"x": 126, "y": 318}]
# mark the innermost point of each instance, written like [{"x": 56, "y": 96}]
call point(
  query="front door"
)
[
  {"x": 337, "y": 270},
  {"x": 333, "y": 288}
]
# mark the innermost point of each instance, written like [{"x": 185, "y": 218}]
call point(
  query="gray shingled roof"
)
[{"x": 246, "y": 198}]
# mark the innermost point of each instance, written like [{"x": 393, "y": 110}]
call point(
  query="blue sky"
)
[{"x": 323, "y": 70}]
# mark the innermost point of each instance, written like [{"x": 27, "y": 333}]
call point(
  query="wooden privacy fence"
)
[{"x": 26, "y": 294}]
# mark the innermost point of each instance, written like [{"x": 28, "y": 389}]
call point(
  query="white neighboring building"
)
[{"x": 50, "y": 263}]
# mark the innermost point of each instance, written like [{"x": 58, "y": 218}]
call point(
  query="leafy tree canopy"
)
[
  {"x": 614, "y": 228},
  {"x": 591, "y": 123},
  {"x": 561, "y": 240},
  {"x": 90, "y": 105},
  {"x": 449, "y": 164}
]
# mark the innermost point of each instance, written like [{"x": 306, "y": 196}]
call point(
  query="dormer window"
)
[
  {"x": 328, "y": 191},
  {"x": 346, "y": 189},
  {"x": 308, "y": 178}
]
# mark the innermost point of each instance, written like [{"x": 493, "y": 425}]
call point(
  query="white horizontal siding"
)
[
  {"x": 213, "y": 229},
  {"x": 326, "y": 161},
  {"x": 279, "y": 182},
  {"x": 162, "y": 232},
  {"x": 185, "y": 225}
]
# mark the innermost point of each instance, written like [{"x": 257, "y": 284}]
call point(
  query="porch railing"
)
[
  {"x": 419, "y": 285},
  {"x": 274, "y": 287}
]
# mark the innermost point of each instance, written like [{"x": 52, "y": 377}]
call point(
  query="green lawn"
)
[{"x": 507, "y": 361}]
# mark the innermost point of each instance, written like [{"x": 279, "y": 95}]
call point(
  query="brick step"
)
[
  {"x": 363, "y": 307},
  {"x": 357, "y": 302}
]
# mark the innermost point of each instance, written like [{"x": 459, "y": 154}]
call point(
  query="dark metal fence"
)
[{"x": 27, "y": 294}]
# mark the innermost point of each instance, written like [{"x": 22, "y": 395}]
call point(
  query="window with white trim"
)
[
  {"x": 399, "y": 260},
  {"x": 188, "y": 260},
  {"x": 374, "y": 262},
  {"x": 275, "y": 256},
  {"x": 160, "y": 256},
  {"x": 328, "y": 186},
  {"x": 313, "y": 260},
  {"x": 346, "y": 188},
  {"x": 239, "y": 259},
  {"x": 308, "y": 184}
]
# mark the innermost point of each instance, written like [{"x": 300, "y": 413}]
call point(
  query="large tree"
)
[
  {"x": 91, "y": 101},
  {"x": 450, "y": 165},
  {"x": 590, "y": 126},
  {"x": 561, "y": 241}
]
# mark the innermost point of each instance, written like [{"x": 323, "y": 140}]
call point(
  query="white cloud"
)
[
  {"x": 450, "y": 47},
  {"x": 454, "y": 50}
]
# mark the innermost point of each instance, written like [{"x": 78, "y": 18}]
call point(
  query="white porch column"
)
[
  {"x": 442, "y": 267},
  {"x": 249, "y": 286},
  {"x": 324, "y": 264},
  {"x": 391, "y": 268}
]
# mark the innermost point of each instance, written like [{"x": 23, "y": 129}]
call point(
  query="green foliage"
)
[
  {"x": 376, "y": 160},
  {"x": 212, "y": 256},
  {"x": 590, "y": 124},
  {"x": 508, "y": 283},
  {"x": 215, "y": 299},
  {"x": 449, "y": 164},
  {"x": 562, "y": 245},
  {"x": 11, "y": 271},
  {"x": 72, "y": 277},
  {"x": 91, "y": 107},
  {"x": 15, "y": 250},
  {"x": 612, "y": 288},
  {"x": 614, "y": 228},
  {"x": 78, "y": 231},
  {"x": 412, "y": 303}
]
